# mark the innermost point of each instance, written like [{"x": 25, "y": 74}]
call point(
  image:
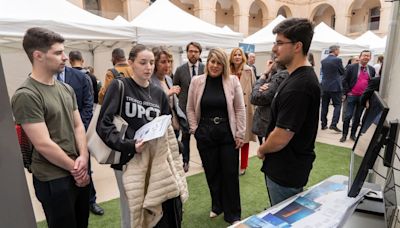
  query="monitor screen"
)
[
  {"x": 389, "y": 197},
  {"x": 369, "y": 141}
]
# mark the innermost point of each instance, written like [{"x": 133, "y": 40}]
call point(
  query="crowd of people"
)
[{"x": 223, "y": 103}]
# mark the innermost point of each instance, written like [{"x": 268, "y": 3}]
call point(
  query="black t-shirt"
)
[{"x": 295, "y": 108}]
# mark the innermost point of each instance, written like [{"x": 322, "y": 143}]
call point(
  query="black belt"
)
[{"x": 214, "y": 120}]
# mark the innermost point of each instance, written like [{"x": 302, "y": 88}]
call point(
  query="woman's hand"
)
[
  {"x": 264, "y": 87},
  {"x": 268, "y": 68},
  {"x": 140, "y": 146},
  {"x": 174, "y": 90},
  {"x": 239, "y": 143}
]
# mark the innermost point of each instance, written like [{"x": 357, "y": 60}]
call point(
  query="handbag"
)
[{"x": 96, "y": 146}]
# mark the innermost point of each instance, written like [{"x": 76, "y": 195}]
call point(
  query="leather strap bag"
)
[{"x": 97, "y": 148}]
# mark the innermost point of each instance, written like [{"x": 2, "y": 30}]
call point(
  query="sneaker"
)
[
  {"x": 242, "y": 172},
  {"x": 213, "y": 214},
  {"x": 353, "y": 137},
  {"x": 324, "y": 127},
  {"x": 343, "y": 139},
  {"x": 335, "y": 128}
]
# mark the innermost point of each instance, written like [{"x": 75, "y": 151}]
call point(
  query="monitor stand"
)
[{"x": 372, "y": 203}]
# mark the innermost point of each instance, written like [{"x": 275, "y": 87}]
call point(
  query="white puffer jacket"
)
[{"x": 152, "y": 177}]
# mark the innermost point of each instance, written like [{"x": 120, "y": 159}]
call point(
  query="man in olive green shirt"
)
[{"x": 47, "y": 111}]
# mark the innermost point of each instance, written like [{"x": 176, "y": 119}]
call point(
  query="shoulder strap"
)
[
  {"x": 115, "y": 73},
  {"x": 121, "y": 89}
]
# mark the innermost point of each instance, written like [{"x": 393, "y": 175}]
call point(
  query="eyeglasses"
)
[{"x": 280, "y": 43}]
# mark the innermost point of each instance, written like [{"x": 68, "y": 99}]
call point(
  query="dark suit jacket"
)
[
  {"x": 182, "y": 78},
  {"x": 351, "y": 75},
  {"x": 82, "y": 87},
  {"x": 373, "y": 85},
  {"x": 332, "y": 69}
]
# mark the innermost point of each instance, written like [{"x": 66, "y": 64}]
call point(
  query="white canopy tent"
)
[
  {"x": 264, "y": 38},
  {"x": 163, "y": 23},
  {"x": 75, "y": 24},
  {"x": 94, "y": 36},
  {"x": 375, "y": 43},
  {"x": 325, "y": 36}
]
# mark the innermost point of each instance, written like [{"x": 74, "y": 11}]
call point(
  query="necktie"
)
[{"x": 193, "y": 71}]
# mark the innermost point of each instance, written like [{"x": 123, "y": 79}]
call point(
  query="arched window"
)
[
  {"x": 374, "y": 18},
  {"x": 92, "y": 6}
]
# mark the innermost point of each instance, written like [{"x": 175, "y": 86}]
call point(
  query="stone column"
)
[
  {"x": 342, "y": 23},
  {"x": 77, "y": 3},
  {"x": 132, "y": 8},
  {"x": 385, "y": 17},
  {"x": 205, "y": 13},
  {"x": 205, "y": 10},
  {"x": 241, "y": 23}
]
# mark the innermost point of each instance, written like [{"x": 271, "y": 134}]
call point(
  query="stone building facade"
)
[{"x": 349, "y": 17}]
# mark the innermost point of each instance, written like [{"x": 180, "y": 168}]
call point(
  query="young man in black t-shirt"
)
[{"x": 288, "y": 151}]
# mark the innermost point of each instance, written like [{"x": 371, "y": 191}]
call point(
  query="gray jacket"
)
[
  {"x": 180, "y": 114},
  {"x": 263, "y": 100}
]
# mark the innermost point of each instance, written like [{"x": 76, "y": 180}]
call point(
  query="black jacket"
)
[{"x": 351, "y": 75}]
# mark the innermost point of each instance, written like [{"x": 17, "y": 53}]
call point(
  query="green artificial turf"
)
[{"x": 331, "y": 160}]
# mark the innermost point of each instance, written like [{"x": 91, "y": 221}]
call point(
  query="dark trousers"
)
[
  {"x": 64, "y": 204},
  {"x": 172, "y": 214},
  {"x": 186, "y": 146},
  {"x": 336, "y": 98},
  {"x": 92, "y": 190},
  {"x": 353, "y": 111},
  {"x": 220, "y": 161}
]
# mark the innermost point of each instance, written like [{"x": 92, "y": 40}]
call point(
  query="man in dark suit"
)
[
  {"x": 182, "y": 77},
  {"x": 76, "y": 61},
  {"x": 332, "y": 69},
  {"x": 81, "y": 85},
  {"x": 355, "y": 81}
]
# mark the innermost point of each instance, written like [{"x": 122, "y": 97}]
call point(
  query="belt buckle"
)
[{"x": 217, "y": 120}]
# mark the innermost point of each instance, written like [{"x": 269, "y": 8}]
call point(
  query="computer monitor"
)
[
  {"x": 389, "y": 197},
  {"x": 390, "y": 142},
  {"x": 370, "y": 140}
]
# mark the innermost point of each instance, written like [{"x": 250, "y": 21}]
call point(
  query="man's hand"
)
[
  {"x": 264, "y": 87},
  {"x": 343, "y": 98},
  {"x": 84, "y": 181},
  {"x": 260, "y": 154},
  {"x": 239, "y": 143},
  {"x": 140, "y": 146},
  {"x": 80, "y": 167},
  {"x": 367, "y": 104}
]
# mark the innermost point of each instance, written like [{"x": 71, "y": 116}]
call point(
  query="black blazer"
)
[
  {"x": 182, "y": 78},
  {"x": 332, "y": 71},
  {"x": 82, "y": 87},
  {"x": 351, "y": 75}
]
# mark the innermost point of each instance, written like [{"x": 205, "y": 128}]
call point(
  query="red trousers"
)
[{"x": 244, "y": 156}]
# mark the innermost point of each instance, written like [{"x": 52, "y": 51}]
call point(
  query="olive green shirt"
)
[{"x": 35, "y": 102}]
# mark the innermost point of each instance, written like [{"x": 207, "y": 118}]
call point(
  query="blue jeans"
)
[
  {"x": 353, "y": 111},
  {"x": 278, "y": 193}
]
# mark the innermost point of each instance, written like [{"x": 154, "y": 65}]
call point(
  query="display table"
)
[{"x": 323, "y": 205}]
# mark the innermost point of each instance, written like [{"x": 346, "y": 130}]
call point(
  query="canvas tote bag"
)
[{"x": 97, "y": 148}]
